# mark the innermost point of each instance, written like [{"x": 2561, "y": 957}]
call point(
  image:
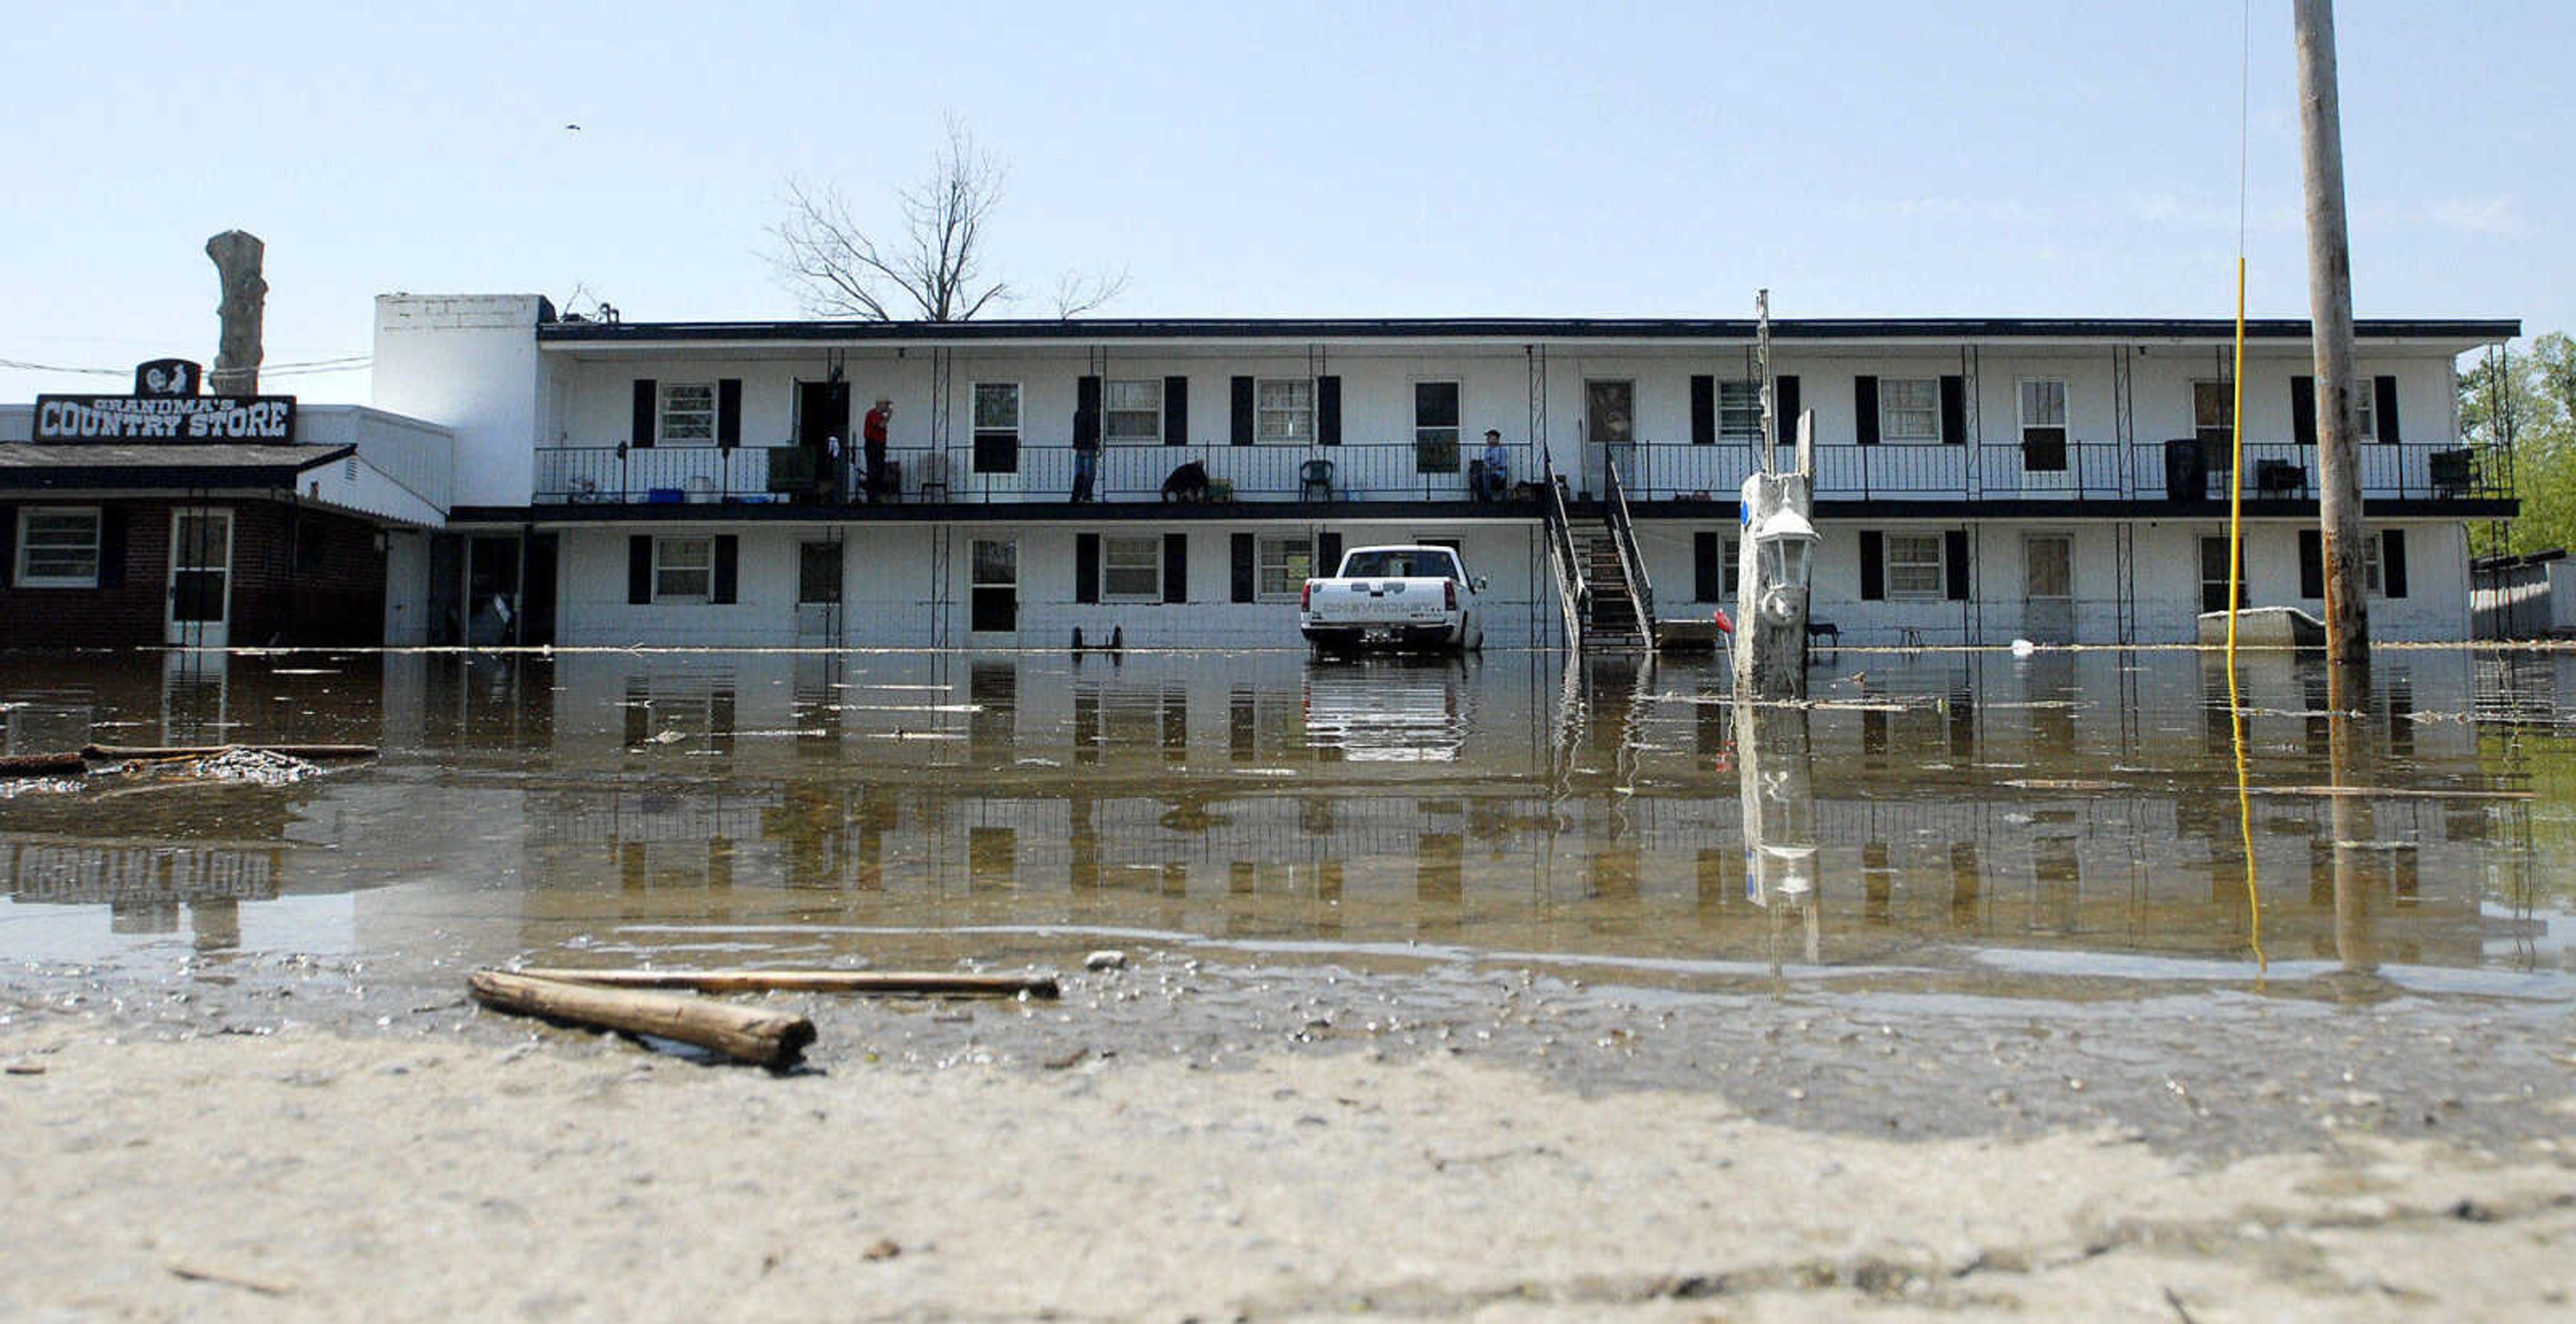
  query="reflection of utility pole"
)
[
  {"x": 2338, "y": 406},
  {"x": 1776, "y": 793}
]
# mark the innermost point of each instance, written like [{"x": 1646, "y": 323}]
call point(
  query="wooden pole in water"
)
[
  {"x": 751, "y": 1034},
  {"x": 2338, "y": 407},
  {"x": 929, "y": 983}
]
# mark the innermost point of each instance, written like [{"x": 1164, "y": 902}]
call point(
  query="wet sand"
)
[{"x": 1484, "y": 1146}]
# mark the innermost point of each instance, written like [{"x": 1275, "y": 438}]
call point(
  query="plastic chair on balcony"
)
[
  {"x": 934, "y": 477},
  {"x": 1315, "y": 476}
]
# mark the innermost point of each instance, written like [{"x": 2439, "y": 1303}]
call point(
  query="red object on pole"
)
[{"x": 1723, "y": 623}]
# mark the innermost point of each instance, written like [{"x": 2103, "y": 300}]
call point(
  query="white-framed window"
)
[
  {"x": 2369, "y": 399},
  {"x": 1435, "y": 427},
  {"x": 2043, "y": 411},
  {"x": 997, "y": 408},
  {"x": 688, "y": 415},
  {"x": 684, "y": 569},
  {"x": 1739, "y": 413},
  {"x": 996, "y": 414},
  {"x": 1909, "y": 409},
  {"x": 58, "y": 547},
  {"x": 1915, "y": 571},
  {"x": 1285, "y": 565},
  {"x": 2214, "y": 571},
  {"x": 2372, "y": 582},
  {"x": 1131, "y": 569},
  {"x": 2213, "y": 411},
  {"x": 1132, "y": 413},
  {"x": 1283, "y": 411},
  {"x": 2043, "y": 424}
]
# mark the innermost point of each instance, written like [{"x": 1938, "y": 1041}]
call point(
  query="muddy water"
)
[{"x": 2065, "y": 826}]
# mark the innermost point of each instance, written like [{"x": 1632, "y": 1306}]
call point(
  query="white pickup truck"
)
[{"x": 1405, "y": 597}]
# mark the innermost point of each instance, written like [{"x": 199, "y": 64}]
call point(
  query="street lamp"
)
[{"x": 1784, "y": 546}]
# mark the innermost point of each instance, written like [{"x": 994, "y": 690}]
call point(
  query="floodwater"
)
[{"x": 2064, "y": 827}]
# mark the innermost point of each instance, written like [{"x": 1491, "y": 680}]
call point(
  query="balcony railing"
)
[
  {"x": 2183, "y": 470},
  {"x": 997, "y": 470}
]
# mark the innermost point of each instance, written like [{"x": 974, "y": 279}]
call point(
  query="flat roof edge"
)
[{"x": 634, "y": 333}]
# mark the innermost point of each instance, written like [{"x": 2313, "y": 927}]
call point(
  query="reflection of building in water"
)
[{"x": 1973, "y": 800}]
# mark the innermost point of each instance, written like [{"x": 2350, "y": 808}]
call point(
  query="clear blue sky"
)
[{"x": 1252, "y": 158}]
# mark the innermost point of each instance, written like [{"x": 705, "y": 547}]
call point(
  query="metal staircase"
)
[{"x": 1601, "y": 581}]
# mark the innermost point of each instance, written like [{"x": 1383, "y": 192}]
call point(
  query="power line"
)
[{"x": 346, "y": 363}]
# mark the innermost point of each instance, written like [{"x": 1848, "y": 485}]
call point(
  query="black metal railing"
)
[
  {"x": 1001, "y": 470},
  {"x": 1623, "y": 535},
  {"x": 1573, "y": 596}
]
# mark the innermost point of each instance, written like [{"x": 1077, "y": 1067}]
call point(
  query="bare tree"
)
[{"x": 933, "y": 270}]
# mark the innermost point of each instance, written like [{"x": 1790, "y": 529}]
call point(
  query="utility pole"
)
[
  {"x": 2330, "y": 318},
  {"x": 1775, "y": 553}
]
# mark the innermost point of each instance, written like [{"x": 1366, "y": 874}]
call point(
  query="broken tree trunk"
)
[
  {"x": 237, "y": 255},
  {"x": 931, "y": 983},
  {"x": 42, "y": 765},
  {"x": 209, "y": 750},
  {"x": 751, "y": 1034}
]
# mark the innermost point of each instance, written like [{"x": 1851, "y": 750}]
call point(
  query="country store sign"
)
[{"x": 209, "y": 418}]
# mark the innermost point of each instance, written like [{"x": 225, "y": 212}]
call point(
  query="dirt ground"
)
[{"x": 1148, "y": 1148}]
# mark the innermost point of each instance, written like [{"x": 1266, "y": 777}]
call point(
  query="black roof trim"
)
[
  {"x": 62, "y": 473},
  {"x": 1515, "y": 328}
]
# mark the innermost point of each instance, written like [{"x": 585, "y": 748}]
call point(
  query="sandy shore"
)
[{"x": 464, "y": 1165}]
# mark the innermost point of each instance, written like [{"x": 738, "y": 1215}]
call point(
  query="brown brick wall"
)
[{"x": 339, "y": 601}]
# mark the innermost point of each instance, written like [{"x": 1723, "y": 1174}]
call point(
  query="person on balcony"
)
[
  {"x": 1497, "y": 474},
  {"x": 1086, "y": 449},
  {"x": 872, "y": 438}
]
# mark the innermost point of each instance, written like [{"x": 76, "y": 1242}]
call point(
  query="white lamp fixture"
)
[{"x": 1785, "y": 544}]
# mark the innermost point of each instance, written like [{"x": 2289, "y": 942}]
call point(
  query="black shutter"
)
[
  {"x": 2392, "y": 560},
  {"x": 1328, "y": 411},
  {"x": 1954, "y": 556},
  {"x": 728, "y": 576},
  {"x": 2303, "y": 410},
  {"x": 1328, "y": 554},
  {"x": 2385, "y": 420},
  {"x": 1865, "y": 410},
  {"x": 1242, "y": 411},
  {"x": 728, "y": 413},
  {"x": 1243, "y": 567},
  {"x": 1176, "y": 567},
  {"x": 1954, "y": 410},
  {"x": 1703, "y": 409},
  {"x": 8, "y": 543},
  {"x": 1730, "y": 568},
  {"x": 111, "y": 547},
  {"x": 1176, "y": 411},
  {"x": 1086, "y": 567},
  {"x": 1704, "y": 569},
  {"x": 639, "y": 569},
  {"x": 1784, "y": 405},
  {"x": 1873, "y": 566},
  {"x": 645, "y": 395},
  {"x": 2312, "y": 564}
]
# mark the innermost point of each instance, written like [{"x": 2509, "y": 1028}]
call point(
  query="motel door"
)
[
  {"x": 2048, "y": 595},
  {"x": 993, "y": 600},
  {"x": 1609, "y": 429},
  {"x": 818, "y": 593},
  {"x": 201, "y": 574}
]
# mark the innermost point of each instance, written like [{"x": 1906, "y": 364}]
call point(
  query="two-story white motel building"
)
[{"x": 1978, "y": 480}]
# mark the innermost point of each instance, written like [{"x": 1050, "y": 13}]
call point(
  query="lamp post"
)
[{"x": 1772, "y": 583}]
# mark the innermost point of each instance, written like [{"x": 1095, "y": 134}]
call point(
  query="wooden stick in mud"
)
[
  {"x": 923, "y": 983},
  {"x": 311, "y": 752},
  {"x": 751, "y": 1034},
  {"x": 42, "y": 765}
]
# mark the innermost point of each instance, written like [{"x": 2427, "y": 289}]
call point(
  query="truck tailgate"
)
[{"x": 1382, "y": 602}]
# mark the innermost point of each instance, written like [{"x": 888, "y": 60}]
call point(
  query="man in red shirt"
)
[{"x": 872, "y": 436}]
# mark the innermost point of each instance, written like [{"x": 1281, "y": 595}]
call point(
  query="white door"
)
[
  {"x": 818, "y": 593},
  {"x": 1609, "y": 427},
  {"x": 2048, "y": 588},
  {"x": 993, "y": 595},
  {"x": 201, "y": 578}
]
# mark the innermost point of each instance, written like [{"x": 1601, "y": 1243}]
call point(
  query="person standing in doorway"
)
[
  {"x": 872, "y": 439},
  {"x": 1086, "y": 449}
]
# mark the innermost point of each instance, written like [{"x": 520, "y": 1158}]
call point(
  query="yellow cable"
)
[{"x": 2235, "y": 599}]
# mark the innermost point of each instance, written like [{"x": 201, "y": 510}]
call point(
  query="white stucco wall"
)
[{"x": 468, "y": 363}]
